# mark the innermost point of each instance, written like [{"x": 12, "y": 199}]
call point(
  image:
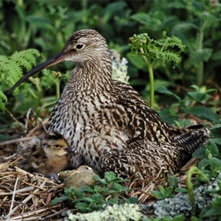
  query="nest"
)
[{"x": 26, "y": 196}]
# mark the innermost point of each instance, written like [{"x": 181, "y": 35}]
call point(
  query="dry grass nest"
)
[{"x": 27, "y": 196}]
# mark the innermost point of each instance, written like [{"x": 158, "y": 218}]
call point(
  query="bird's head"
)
[{"x": 84, "y": 45}]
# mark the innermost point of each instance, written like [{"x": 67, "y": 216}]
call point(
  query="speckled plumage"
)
[{"x": 106, "y": 122}]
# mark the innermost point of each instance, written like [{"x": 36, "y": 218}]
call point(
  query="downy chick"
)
[{"x": 44, "y": 155}]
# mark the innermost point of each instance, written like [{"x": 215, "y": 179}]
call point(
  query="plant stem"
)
[
  {"x": 57, "y": 83},
  {"x": 203, "y": 177},
  {"x": 151, "y": 77},
  {"x": 189, "y": 186},
  {"x": 200, "y": 36}
]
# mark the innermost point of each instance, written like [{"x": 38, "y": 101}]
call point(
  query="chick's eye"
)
[{"x": 79, "y": 46}]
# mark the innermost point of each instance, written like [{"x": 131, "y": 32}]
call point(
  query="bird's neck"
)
[{"x": 92, "y": 75}]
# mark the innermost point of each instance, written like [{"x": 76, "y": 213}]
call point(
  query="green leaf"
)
[
  {"x": 179, "y": 217},
  {"x": 110, "y": 176},
  {"x": 173, "y": 181},
  {"x": 86, "y": 189},
  {"x": 216, "y": 126},
  {"x": 214, "y": 210},
  {"x": 88, "y": 199},
  {"x": 216, "y": 56},
  {"x": 136, "y": 60},
  {"x": 59, "y": 199},
  {"x": 216, "y": 130},
  {"x": 203, "y": 163},
  {"x": 200, "y": 55},
  {"x": 83, "y": 207},
  {"x": 181, "y": 190},
  {"x": 100, "y": 180},
  {"x": 199, "y": 153},
  {"x": 216, "y": 140},
  {"x": 167, "y": 116},
  {"x": 157, "y": 194},
  {"x": 3, "y": 99},
  {"x": 198, "y": 96},
  {"x": 162, "y": 190},
  {"x": 212, "y": 148},
  {"x": 133, "y": 200},
  {"x": 203, "y": 112},
  {"x": 147, "y": 20},
  {"x": 215, "y": 165},
  {"x": 164, "y": 90}
]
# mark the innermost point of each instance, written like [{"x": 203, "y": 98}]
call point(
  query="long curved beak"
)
[{"x": 50, "y": 62}]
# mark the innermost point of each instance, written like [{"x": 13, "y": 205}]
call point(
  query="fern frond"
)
[
  {"x": 163, "y": 51},
  {"x": 11, "y": 68},
  {"x": 26, "y": 58},
  {"x": 166, "y": 49},
  {"x": 3, "y": 99}
]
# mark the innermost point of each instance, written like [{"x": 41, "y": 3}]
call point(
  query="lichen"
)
[
  {"x": 119, "y": 67},
  {"x": 179, "y": 204},
  {"x": 115, "y": 212}
]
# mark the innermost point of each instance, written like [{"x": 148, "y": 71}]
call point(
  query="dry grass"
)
[{"x": 26, "y": 196}]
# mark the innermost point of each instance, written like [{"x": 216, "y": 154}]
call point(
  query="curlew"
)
[{"x": 106, "y": 123}]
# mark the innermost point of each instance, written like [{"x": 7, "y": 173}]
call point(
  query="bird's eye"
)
[{"x": 79, "y": 46}]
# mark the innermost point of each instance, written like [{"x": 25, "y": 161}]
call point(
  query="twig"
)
[
  {"x": 12, "y": 116},
  {"x": 56, "y": 213},
  {"x": 16, "y": 140},
  {"x": 18, "y": 191},
  {"x": 13, "y": 198},
  {"x": 28, "y": 198},
  {"x": 31, "y": 214}
]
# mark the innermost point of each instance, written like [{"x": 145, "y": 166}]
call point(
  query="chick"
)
[
  {"x": 83, "y": 175},
  {"x": 44, "y": 155}
]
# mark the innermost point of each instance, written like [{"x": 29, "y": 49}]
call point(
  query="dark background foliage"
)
[{"x": 46, "y": 25}]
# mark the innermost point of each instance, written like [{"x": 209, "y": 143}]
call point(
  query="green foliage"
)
[
  {"x": 33, "y": 94},
  {"x": 161, "y": 50},
  {"x": 153, "y": 51},
  {"x": 46, "y": 26},
  {"x": 3, "y": 99},
  {"x": 107, "y": 191},
  {"x": 163, "y": 193},
  {"x": 166, "y": 192},
  {"x": 203, "y": 177},
  {"x": 214, "y": 212},
  {"x": 12, "y": 66},
  {"x": 197, "y": 24},
  {"x": 11, "y": 69},
  {"x": 193, "y": 103}
]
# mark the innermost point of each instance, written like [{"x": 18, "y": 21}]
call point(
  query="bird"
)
[
  {"x": 84, "y": 175},
  {"x": 45, "y": 155},
  {"x": 106, "y": 123}
]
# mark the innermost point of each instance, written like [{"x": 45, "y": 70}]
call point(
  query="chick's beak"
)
[{"x": 50, "y": 62}]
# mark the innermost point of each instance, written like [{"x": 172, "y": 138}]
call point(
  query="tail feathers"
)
[{"x": 192, "y": 139}]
